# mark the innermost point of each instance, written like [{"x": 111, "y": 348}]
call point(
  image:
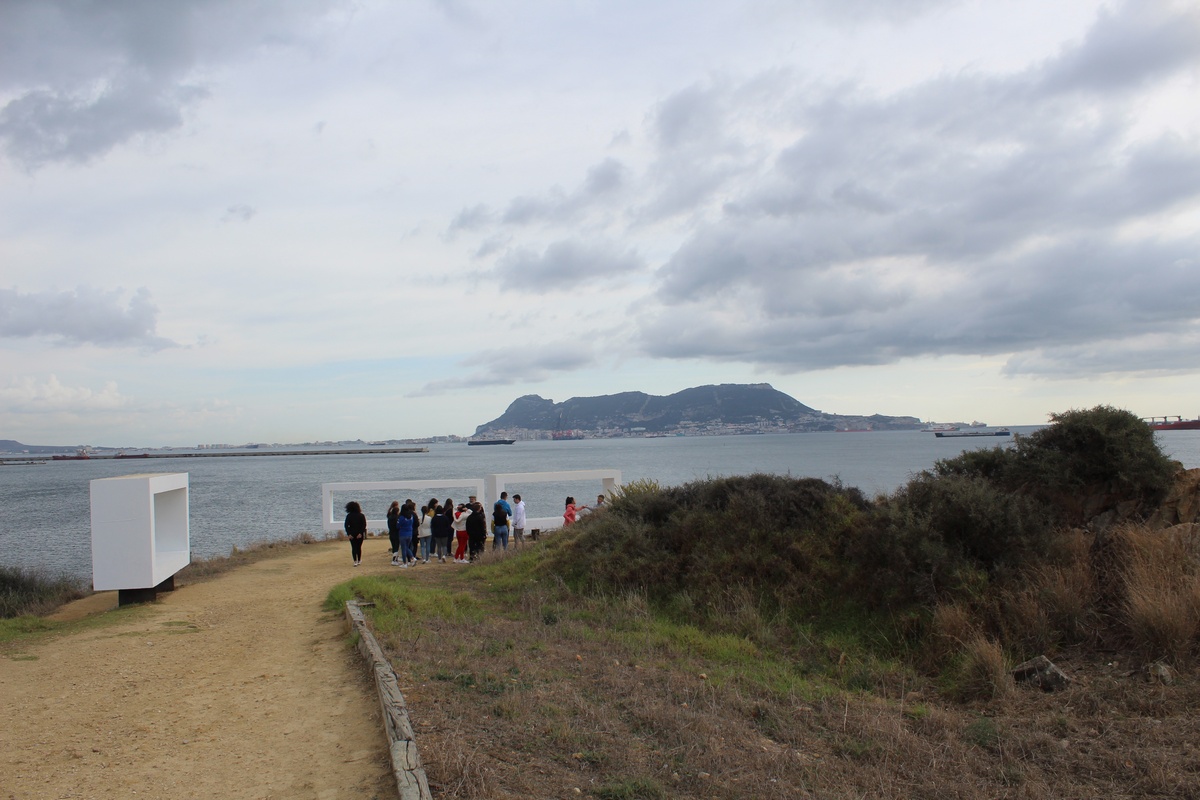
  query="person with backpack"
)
[{"x": 500, "y": 513}]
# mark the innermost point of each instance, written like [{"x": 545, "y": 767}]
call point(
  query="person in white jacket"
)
[{"x": 518, "y": 520}]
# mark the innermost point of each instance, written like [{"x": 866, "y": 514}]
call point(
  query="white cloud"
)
[{"x": 26, "y": 395}]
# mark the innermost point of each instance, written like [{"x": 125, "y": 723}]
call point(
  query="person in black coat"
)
[
  {"x": 442, "y": 527},
  {"x": 393, "y": 523},
  {"x": 476, "y": 530},
  {"x": 356, "y": 530}
]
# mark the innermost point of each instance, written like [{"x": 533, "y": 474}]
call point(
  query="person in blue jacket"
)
[{"x": 406, "y": 523}]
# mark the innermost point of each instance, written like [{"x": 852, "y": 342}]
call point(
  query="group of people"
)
[{"x": 419, "y": 536}]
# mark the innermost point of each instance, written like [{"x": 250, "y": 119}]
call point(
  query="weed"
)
[
  {"x": 983, "y": 733},
  {"x": 632, "y": 789}
]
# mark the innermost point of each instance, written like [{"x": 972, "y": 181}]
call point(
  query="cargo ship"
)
[
  {"x": 1174, "y": 423},
  {"x": 489, "y": 441},
  {"x": 971, "y": 434}
]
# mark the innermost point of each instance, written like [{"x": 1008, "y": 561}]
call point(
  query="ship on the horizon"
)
[
  {"x": 560, "y": 434},
  {"x": 1179, "y": 423},
  {"x": 82, "y": 454}
]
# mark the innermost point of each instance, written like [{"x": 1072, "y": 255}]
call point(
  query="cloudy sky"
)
[{"x": 246, "y": 220}]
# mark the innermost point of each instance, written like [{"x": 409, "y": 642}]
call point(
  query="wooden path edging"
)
[{"x": 406, "y": 762}]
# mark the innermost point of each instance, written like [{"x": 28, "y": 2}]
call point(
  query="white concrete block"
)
[{"x": 140, "y": 534}]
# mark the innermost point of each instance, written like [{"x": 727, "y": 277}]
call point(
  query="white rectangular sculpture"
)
[{"x": 140, "y": 533}]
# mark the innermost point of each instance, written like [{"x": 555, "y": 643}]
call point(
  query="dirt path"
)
[{"x": 239, "y": 687}]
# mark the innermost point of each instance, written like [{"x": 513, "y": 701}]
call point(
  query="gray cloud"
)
[
  {"x": 604, "y": 180},
  {"x": 239, "y": 212},
  {"x": 82, "y": 316},
  {"x": 564, "y": 265},
  {"x": 969, "y": 215},
  {"x": 1127, "y": 47},
  {"x": 470, "y": 219},
  {"x": 84, "y": 78},
  {"x": 517, "y": 365}
]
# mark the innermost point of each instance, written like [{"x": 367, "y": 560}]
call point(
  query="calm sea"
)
[{"x": 44, "y": 510}]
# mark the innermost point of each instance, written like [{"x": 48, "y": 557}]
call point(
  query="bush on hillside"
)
[
  {"x": 1083, "y": 463},
  {"x": 775, "y": 536},
  {"x": 938, "y": 538}
]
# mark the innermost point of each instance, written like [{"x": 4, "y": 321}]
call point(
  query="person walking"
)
[
  {"x": 518, "y": 521},
  {"x": 461, "y": 515},
  {"x": 356, "y": 530},
  {"x": 393, "y": 515}
]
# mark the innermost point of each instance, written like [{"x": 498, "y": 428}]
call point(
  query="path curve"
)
[{"x": 238, "y": 687}]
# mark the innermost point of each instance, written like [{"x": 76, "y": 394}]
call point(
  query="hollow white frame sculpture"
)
[
  {"x": 486, "y": 489},
  {"x": 140, "y": 533}
]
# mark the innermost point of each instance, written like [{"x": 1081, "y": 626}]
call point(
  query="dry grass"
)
[
  {"x": 548, "y": 692},
  {"x": 1162, "y": 600},
  {"x": 984, "y": 672}
]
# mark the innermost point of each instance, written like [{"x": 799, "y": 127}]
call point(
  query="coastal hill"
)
[{"x": 724, "y": 408}]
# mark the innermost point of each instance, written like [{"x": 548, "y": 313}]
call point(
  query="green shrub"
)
[
  {"x": 943, "y": 537},
  {"x": 776, "y": 537},
  {"x": 1085, "y": 462}
]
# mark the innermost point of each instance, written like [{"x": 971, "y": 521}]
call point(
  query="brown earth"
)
[{"x": 238, "y": 687}]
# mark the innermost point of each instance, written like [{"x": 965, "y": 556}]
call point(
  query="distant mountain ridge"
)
[
  {"x": 13, "y": 446},
  {"x": 755, "y": 405}
]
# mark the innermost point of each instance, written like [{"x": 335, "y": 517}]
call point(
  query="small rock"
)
[
  {"x": 1042, "y": 673},
  {"x": 1159, "y": 672}
]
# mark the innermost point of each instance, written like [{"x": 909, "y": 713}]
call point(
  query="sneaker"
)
[{"x": 404, "y": 566}]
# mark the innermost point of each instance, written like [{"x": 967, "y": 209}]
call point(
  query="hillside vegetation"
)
[
  {"x": 1029, "y": 549},
  {"x": 770, "y": 637}
]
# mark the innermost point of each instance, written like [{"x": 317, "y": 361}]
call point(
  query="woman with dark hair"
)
[
  {"x": 571, "y": 513},
  {"x": 356, "y": 529},
  {"x": 407, "y": 524},
  {"x": 443, "y": 532},
  {"x": 460, "y": 517},
  {"x": 393, "y": 522},
  {"x": 476, "y": 531}
]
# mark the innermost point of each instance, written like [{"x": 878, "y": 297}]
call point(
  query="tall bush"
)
[{"x": 1085, "y": 462}]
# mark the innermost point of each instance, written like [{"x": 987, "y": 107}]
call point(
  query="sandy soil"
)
[{"x": 238, "y": 687}]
